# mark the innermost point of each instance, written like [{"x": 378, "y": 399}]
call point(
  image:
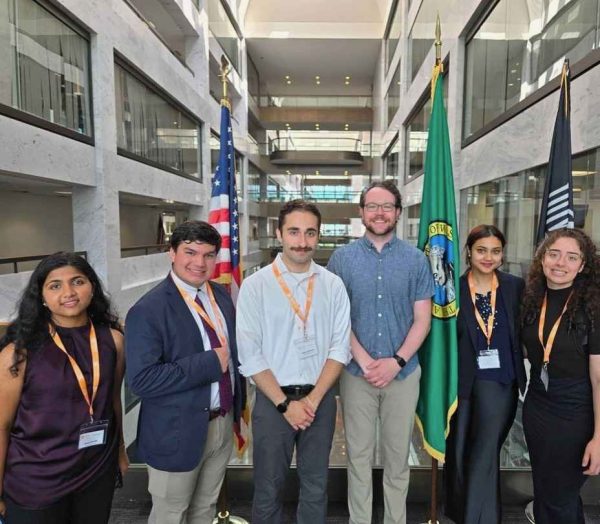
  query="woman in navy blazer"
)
[{"x": 490, "y": 374}]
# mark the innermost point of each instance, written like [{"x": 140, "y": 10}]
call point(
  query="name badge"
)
[
  {"x": 93, "y": 434},
  {"x": 306, "y": 346},
  {"x": 488, "y": 359}
]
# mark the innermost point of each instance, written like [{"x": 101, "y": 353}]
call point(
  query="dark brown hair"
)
[
  {"x": 388, "y": 185},
  {"x": 479, "y": 232},
  {"x": 297, "y": 205},
  {"x": 586, "y": 287}
]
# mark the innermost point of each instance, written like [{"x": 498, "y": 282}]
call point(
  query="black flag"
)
[{"x": 557, "y": 204}]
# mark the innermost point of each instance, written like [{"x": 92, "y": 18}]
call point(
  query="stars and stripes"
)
[
  {"x": 223, "y": 210},
  {"x": 557, "y": 203}
]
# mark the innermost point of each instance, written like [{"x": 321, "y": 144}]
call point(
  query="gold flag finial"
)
[
  {"x": 225, "y": 70},
  {"x": 438, "y": 40}
]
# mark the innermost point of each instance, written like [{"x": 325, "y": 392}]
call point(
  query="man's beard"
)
[{"x": 389, "y": 229}]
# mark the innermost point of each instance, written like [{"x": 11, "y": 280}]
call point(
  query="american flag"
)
[
  {"x": 223, "y": 215},
  {"x": 223, "y": 210}
]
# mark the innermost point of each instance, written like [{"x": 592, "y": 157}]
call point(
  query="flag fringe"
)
[{"x": 436, "y": 454}]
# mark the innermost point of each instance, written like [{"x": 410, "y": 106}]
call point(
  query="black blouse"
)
[{"x": 569, "y": 358}]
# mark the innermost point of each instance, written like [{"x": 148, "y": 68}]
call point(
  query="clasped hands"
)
[
  {"x": 301, "y": 413},
  {"x": 380, "y": 372}
]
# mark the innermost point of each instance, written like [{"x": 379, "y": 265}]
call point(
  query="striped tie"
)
[{"x": 225, "y": 390}]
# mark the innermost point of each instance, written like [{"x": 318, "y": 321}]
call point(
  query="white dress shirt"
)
[
  {"x": 215, "y": 401},
  {"x": 270, "y": 334}
]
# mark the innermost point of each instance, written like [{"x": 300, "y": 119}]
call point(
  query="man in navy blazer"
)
[{"x": 182, "y": 361}]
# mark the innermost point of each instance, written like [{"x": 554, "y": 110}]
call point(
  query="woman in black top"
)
[
  {"x": 490, "y": 371},
  {"x": 561, "y": 310}
]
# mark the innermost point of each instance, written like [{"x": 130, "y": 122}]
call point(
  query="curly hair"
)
[
  {"x": 29, "y": 330},
  {"x": 586, "y": 287}
]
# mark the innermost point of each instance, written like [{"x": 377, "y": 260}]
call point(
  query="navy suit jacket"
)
[
  {"x": 512, "y": 290},
  {"x": 169, "y": 369}
]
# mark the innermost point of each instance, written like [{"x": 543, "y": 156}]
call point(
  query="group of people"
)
[{"x": 297, "y": 330}]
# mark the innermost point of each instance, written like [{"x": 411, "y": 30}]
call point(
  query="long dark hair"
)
[
  {"x": 29, "y": 331},
  {"x": 586, "y": 287}
]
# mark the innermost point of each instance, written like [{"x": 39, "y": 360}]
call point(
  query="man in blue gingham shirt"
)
[{"x": 390, "y": 286}]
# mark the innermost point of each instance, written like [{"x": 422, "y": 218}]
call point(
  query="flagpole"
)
[
  {"x": 437, "y": 70},
  {"x": 223, "y": 516}
]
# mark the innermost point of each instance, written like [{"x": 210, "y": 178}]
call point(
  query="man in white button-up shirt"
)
[{"x": 293, "y": 331}]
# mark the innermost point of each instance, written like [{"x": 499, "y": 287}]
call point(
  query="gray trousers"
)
[{"x": 274, "y": 441}]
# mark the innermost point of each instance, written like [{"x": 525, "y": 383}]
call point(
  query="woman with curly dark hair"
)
[
  {"x": 61, "y": 369},
  {"x": 561, "y": 332},
  {"x": 490, "y": 373}
]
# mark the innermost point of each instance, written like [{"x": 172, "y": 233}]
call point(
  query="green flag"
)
[{"x": 438, "y": 238}]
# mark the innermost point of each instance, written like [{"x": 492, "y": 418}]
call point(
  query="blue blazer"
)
[
  {"x": 169, "y": 369},
  {"x": 512, "y": 292}
]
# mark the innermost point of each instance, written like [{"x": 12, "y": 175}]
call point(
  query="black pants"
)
[
  {"x": 91, "y": 505},
  {"x": 472, "y": 470},
  {"x": 558, "y": 424},
  {"x": 274, "y": 443}
]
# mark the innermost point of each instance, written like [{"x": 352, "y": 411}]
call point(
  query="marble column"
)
[{"x": 96, "y": 209}]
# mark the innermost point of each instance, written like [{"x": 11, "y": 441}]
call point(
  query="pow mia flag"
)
[{"x": 557, "y": 203}]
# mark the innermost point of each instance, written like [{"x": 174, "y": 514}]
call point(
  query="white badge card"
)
[
  {"x": 93, "y": 434},
  {"x": 306, "y": 345},
  {"x": 488, "y": 359}
]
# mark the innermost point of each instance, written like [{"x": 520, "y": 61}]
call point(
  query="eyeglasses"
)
[
  {"x": 554, "y": 255},
  {"x": 372, "y": 208}
]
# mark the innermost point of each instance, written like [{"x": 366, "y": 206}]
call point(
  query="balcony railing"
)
[
  {"x": 316, "y": 101},
  {"x": 150, "y": 249},
  {"x": 317, "y": 144},
  {"x": 18, "y": 264},
  {"x": 313, "y": 195}
]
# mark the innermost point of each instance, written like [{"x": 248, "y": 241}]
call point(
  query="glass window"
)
[
  {"x": 393, "y": 37},
  {"x": 390, "y": 160},
  {"x": 393, "y": 96},
  {"x": 224, "y": 31},
  {"x": 416, "y": 137},
  {"x": 46, "y": 66},
  {"x": 253, "y": 80},
  {"x": 254, "y": 183},
  {"x": 421, "y": 38},
  {"x": 518, "y": 49},
  {"x": 154, "y": 129}
]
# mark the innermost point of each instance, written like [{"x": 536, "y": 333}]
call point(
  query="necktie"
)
[{"x": 225, "y": 390}]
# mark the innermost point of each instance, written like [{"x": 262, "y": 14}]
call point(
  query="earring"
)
[{"x": 44, "y": 304}]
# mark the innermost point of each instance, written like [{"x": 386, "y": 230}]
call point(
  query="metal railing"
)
[
  {"x": 325, "y": 242},
  {"x": 316, "y": 144},
  {"x": 15, "y": 261},
  {"x": 313, "y": 195},
  {"x": 150, "y": 249},
  {"x": 315, "y": 101}
]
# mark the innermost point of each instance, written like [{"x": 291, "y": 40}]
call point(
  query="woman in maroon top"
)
[
  {"x": 561, "y": 414},
  {"x": 61, "y": 369}
]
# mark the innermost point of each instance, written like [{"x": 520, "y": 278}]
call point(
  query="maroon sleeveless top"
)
[{"x": 43, "y": 463}]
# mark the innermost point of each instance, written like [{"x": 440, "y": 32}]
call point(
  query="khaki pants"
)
[
  {"x": 191, "y": 497},
  {"x": 394, "y": 405}
]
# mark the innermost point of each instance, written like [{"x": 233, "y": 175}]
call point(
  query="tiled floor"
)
[{"x": 136, "y": 512}]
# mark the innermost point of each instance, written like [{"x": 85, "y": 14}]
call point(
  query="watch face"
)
[{"x": 282, "y": 408}]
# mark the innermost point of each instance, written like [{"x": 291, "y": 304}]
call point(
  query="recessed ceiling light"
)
[
  {"x": 287, "y": 77},
  {"x": 318, "y": 82},
  {"x": 288, "y": 82},
  {"x": 317, "y": 172},
  {"x": 317, "y": 77},
  {"x": 347, "y": 78},
  {"x": 347, "y": 82}
]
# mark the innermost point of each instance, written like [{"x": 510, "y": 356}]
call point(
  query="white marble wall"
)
[{"x": 97, "y": 173}]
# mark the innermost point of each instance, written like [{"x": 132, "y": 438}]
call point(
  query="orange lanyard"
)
[
  {"x": 219, "y": 330},
  {"x": 489, "y": 328},
  {"x": 77, "y": 370},
  {"x": 552, "y": 335},
  {"x": 303, "y": 316}
]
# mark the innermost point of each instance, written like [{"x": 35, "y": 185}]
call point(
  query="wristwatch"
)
[
  {"x": 400, "y": 360},
  {"x": 282, "y": 407}
]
